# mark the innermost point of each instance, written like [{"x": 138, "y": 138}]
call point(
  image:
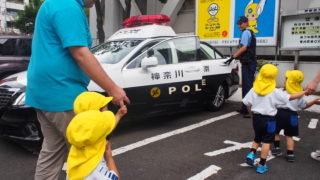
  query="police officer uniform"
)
[{"x": 248, "y": 63}]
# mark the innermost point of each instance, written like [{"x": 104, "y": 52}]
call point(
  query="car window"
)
[
  {"x": 186, "y": 48},
  {"x": 112, "y": 52},
  {"x": 143, "y": 49},
  {"x": 161, "y": 51},
  {"x": 211, "y": 52},
  {"x": 15, "y": 46},
  {"x": 201, "y": 55}
]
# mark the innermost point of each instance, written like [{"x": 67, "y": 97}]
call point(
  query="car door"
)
[{"x": 170, "y": 83}]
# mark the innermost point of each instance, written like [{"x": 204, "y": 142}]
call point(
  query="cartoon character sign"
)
[
  {"x": 213, "y": 11},
  {"x": 252, "y": 12}
]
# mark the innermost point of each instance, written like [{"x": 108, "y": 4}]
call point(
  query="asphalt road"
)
[{"x": 195, "y": 145}]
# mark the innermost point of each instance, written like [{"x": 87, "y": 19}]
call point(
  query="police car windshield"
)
[{"x": 112, "y": 52}]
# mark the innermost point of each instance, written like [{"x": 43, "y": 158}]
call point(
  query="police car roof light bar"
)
[{"x": 145, "y": 20}]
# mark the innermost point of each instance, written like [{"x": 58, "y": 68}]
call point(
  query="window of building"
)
[
  {"x": 188, "y": 5},
  {"x": 16, "y": 1},
  {"x": 12, "y": 12},
  {"x": 10, "y": 24}
]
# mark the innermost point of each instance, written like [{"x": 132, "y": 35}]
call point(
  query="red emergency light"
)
[{"x": 145, "y": 19}]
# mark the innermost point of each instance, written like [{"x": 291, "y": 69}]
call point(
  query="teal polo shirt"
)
[{"x": 54, "y": 77}]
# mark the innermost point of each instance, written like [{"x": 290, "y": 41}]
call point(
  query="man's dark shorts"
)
[
  {"x": 288, "y": 121},
  {"x": 264, "y": 128}
]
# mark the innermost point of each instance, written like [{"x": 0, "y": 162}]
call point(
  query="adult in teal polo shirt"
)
[{"x": 60, "y": 68}]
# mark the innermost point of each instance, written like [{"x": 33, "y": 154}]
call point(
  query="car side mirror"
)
[{"x": 149, "y": 62}]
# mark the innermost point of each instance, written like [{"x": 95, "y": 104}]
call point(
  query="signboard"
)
[
  {"x": 216, "y": 21},
  {"x": 301, "y": 30}
]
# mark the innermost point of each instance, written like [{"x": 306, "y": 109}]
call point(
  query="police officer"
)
[{"x": 247, "y": 56}]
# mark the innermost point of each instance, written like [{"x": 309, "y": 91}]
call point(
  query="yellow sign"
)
[
  {"x": 155, "y": 92},
  {"x": 213, "y": 19}
]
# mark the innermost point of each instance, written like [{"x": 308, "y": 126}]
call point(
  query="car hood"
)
[{"x": 19, "y": 80}]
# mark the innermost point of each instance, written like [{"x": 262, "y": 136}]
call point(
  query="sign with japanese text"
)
[
  {"x": 216, "y": 21},
  {"x": 301, "y": 31}
]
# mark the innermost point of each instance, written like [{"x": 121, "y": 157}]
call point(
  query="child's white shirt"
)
[
  {"x": 294, "y": 105},
  {"x": 102, "y": 172},
  {"x": 266, "y": 105}
]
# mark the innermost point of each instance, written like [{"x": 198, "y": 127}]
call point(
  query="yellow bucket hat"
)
[
  {"x": 90, "y": 101},
  {"x": 87, "y": 133},
  {"x": 266, "y": 80},
  {"x": 294, "y": 80}
]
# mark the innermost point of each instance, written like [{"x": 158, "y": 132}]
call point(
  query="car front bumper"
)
[{"x": 20, "y": 124}]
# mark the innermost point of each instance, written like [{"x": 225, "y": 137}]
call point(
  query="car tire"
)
[{"x": 217, "y": 100}]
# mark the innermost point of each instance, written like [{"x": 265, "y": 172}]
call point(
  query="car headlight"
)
[
  {"x": 21, "y": 100},
  {"x": 8, "y": 80}
]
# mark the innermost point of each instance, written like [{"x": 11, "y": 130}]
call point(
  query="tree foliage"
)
[{"x": 26, "y": 19}]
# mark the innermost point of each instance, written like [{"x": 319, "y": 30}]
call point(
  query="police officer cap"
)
[{"x": 242, "y": 19}]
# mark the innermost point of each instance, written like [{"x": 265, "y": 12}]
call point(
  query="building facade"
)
[{"x": 8, "y": 11}]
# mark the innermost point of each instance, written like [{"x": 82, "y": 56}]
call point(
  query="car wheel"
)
[{"x": 216, "y": 100}]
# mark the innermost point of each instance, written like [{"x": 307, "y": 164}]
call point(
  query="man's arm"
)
[
  {"x": 239, "y": 52},
  {"x": 311, "y": 88},
  {"x": 93, "y": 69}
]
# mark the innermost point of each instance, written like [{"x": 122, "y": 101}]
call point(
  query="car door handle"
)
[{"x": 192, "y": 69}]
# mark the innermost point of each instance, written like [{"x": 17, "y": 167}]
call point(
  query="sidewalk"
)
[{"x": 315, "y": 108}]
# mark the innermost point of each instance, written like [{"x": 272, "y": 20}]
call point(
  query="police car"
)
[{"x": 161, "y": 73}]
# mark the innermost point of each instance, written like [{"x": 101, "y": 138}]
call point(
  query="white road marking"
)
[
  {"x": 294, "y": 137},
  {"x": 165, "y": 135},
  {"x": 236, "y": 146},
  {"x": 205, "y": 173},
  {"x": 169, "y": 134},
  {"x": 313, "y": 123}
]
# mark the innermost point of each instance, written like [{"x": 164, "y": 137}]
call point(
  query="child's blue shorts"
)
[
  {"x": 288, "y": 121},
  {"x": 264, "y": 128}
]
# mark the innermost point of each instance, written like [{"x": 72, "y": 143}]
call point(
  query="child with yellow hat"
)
[
  {"x": 262, "y": 101},
  {"x": 287, "y": 116},
  {"x": 90, "y": 155}
]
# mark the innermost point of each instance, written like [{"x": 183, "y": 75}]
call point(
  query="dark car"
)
[{"x": 15, "y": 53}]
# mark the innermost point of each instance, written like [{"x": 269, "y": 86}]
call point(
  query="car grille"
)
[{"x": 5, "y": 97}]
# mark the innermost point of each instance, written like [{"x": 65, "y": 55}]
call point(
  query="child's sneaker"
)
[
  {"x": 261, "y": 169},
  {"x": 276, "y": 151},
  {"x": 250, "y": 159},
  {"x": 290, "y": 157},
  {"x": 316, "y": 155}
]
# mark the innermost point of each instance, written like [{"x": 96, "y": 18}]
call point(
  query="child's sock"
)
[
  {"x": 253, "y": 150},
  {"x": 276, "y": 143},
  {"x": 262, "y": 161},
  {"x": 289, "y": 152}
]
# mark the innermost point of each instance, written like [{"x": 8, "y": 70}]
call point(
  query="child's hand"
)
[
  {"x": 317, "y": 101},
  {"x": 122, "y": 111}
]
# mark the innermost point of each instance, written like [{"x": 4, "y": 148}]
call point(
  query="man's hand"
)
[
  {"x": 229, "y": 61},
  {"x": 119, "y": 96},
  {"x": 311, "y": 88}
]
